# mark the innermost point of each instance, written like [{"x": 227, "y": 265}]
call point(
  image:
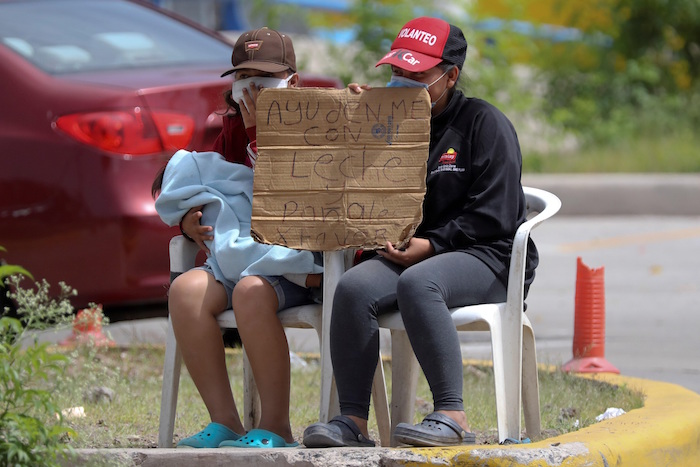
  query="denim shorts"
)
[{"x": 288, "y": 293}]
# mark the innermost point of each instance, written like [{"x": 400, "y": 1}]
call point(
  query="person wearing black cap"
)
[
  {"x": 459, "y": 255},
  {"x": 260, "y": 58}
]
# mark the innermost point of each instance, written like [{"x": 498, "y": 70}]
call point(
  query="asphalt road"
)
[{"x": 652, "y": 294}]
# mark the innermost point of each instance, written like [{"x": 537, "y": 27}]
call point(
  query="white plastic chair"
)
[
  {"x": 512, "y": 340},
  {"x": 182, "y": 257}
]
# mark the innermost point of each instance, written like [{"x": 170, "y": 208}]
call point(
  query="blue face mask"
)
[{"x": 403, "y": 82}]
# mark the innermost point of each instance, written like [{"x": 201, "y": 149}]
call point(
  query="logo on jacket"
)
[
  {"x": 448, "y": 163},
  {"x": 449, "y": 157}
]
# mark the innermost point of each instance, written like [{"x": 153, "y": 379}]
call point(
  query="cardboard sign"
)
[{"x": 337, "y": 169}]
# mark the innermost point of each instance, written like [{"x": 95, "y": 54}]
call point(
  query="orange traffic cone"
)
[
  {"x": 589, "y": 323},
  {"x": 87, "y": 328}
]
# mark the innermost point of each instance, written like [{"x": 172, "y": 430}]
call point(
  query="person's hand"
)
[
  {"x": 247, "y": 104},
  {"x": 358, "y": 88},
  {"x": 416, "y": 251},
  {"x": 192, "y": 227}
]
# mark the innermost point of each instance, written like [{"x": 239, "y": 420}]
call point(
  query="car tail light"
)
[{"x": 135, "y": 131}]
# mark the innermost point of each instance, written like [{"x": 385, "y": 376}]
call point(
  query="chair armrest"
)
[
  {"x": 183, "y": 254},
  {"x": 545, "y": 204}
]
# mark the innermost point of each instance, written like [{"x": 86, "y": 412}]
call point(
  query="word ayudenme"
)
[
  {"x": 294, "y": 112},
  {"x": 342, "y": 122}
]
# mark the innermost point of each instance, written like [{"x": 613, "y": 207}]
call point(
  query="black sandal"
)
[
  {"x": 435, "y": 430},
  {"x": 341, "y": 431}
]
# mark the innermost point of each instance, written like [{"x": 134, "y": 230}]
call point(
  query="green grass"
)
[
  {"x": 134, "y": 374},
  {"x": 564, "y": 400},
  {"x": 673, "y": 153}
]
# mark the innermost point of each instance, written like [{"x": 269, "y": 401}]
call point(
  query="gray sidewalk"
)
[{"x": 622, "y": 194}]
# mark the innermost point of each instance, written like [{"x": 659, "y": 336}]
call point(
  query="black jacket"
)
[{"x": 474, "y": 200}]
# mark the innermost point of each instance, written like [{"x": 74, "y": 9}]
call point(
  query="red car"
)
[{"x": 95, "y": 96}]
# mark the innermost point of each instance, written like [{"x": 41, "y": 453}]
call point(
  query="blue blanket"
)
[{"x": 225, "y": 190}]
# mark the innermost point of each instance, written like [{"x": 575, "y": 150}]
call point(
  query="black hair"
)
[
  {"x": 157, "y": 182},
  {"x": 230, "y": 102},
  {"x": 447, "y": 66}
]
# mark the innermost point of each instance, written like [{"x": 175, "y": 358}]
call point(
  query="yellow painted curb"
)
[{"x": 665, "y": 432}]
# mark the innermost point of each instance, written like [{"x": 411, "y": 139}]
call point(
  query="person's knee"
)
[
  {"x": 253, "y": 296},
  {"x": 344, "y": 290},
  {"x": 195, "y": 294},
  {"x": 350, "y": 296},
  {"x": 355, "y": 283},
  {"x": 413, "y": 291},
  {"x": 412, "y": 284},
  {"x": 183, "y": 292}
]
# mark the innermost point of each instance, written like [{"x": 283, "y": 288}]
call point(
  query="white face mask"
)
[{"x": 265, "y": 81}]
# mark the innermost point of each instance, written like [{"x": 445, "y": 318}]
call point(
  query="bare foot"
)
[{"x": 361, "y": 424}]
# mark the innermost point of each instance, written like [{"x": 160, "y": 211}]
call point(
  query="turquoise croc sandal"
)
[
  {"x": 258, "y": 438},
  {"x": 210, "y": 437}
]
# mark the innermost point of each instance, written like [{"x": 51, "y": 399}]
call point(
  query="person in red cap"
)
[
  {"x": 459, "y": 255},
  {"x": 262, "y": 58}
]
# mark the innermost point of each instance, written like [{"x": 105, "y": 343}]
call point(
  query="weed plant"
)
[{"x": 32, "y": 430}]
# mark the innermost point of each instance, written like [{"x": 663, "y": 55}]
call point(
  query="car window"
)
[{"x": 64, "y": 36}]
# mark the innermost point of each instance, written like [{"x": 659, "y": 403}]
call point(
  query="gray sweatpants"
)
[{"x": 423, "y": 293}]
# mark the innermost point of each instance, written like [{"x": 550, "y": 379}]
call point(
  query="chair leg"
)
[
  {"x": 381, "y": 405},
  {"x": 404, "y": 380},
  {"x": 531, "y": 389},
  {"x": 507, "y": 371},
  {"x": 330, "y": 407},
  {"x": 171, "y": 385},
  {"x": 334, "y": 264},
  {"x": 251, "y": 398}
]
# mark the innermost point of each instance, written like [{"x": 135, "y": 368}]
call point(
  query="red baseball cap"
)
[{"x": 426, "y": 42}]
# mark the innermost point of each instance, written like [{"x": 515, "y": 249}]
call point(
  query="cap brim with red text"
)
[{"x": 424, "y": 43}]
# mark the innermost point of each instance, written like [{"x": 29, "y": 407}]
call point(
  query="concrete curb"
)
[
  {"x": 622, "y": 194},
  {"x": 666, "y": 431}
]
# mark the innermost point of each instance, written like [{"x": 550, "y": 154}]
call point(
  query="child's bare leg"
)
[
  {"x": 313, "y": 280},
  {"x": 194, "y": 301},
  {"x": 255, "y": 304}
]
